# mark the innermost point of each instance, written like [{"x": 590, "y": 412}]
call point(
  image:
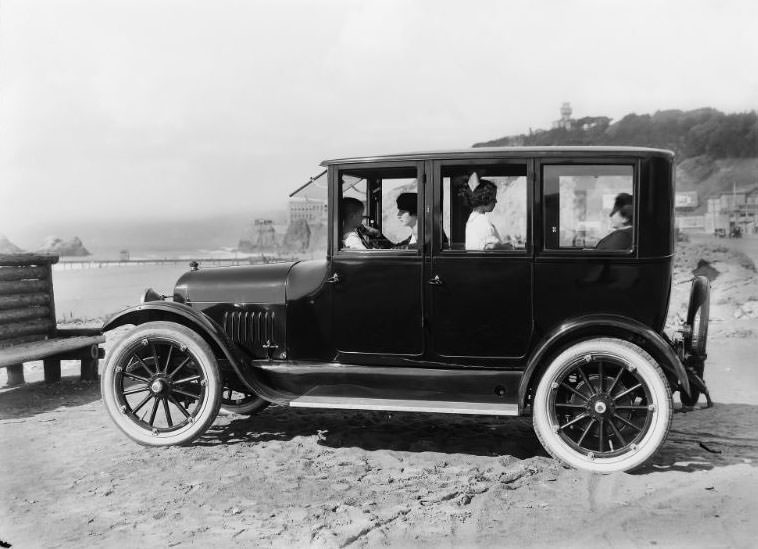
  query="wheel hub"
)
[
  {"x": 600, "y": 406},
  {"x": 157, "y": 386}
]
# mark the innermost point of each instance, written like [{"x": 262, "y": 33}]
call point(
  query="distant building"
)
[
  {"x": 730, "y": 210},
  {"x": 690, "y": 223},
  {"x": 686, "y": 200},
  {"x": 312, "y": 211},
  {"x": 265, "y": 234},
  {"x": 261, "y": 236},
  {"x": 566, "y": 122},
  {"x": 685, "y": 220},
  {"x": 309, "y": 202}
]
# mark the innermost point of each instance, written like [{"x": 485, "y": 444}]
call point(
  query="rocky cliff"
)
[
  {"x": 8, "y": 247},
  {"x": 56, "y": 245}
]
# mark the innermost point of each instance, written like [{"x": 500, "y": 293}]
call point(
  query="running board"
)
[{"x": 392, "y": 405}]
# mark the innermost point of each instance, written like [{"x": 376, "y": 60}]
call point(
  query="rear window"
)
[{"x": 589, "y": 207}]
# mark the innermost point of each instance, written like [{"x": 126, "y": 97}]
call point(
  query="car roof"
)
[{"x": 488, "y": 152}]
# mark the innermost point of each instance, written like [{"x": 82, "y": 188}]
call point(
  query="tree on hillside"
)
[{"x": 705, "y": 131}]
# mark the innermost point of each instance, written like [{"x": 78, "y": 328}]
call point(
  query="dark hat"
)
[
  {"x": 406, "y": 202},
  {"x": 622, "y": 199},
  {"x": 627, "y": 212}
]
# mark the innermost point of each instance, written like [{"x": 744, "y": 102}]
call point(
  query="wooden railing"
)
[
  {"x": 27, "y": 304},
  {"x": 27, "y": 322}
]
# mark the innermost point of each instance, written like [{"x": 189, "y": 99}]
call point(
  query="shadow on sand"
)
[
  {"x": 411, "y": 432},
  {"x": 699, "y": 439},
  {"x": 704, "y": 438},
  {"x": 39, "y": 397}
]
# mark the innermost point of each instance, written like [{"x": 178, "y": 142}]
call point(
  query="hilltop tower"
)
[{"x": 566, "y": 122}]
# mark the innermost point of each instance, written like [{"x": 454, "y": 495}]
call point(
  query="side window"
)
[
  {"x": 484, "y": 207},
  {"x": 589, "y": 207},
  {"x": 378, "y": 208}
]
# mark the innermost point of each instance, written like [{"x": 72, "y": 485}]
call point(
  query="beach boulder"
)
[
  {"x": 56, "y": 245},
  {"x": 8, "y": 247}
]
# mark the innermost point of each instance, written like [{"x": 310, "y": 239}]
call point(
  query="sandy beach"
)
[{"x": 293, "y": 478}]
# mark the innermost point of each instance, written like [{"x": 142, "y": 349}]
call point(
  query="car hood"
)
[{"x": 242, "y": 284}]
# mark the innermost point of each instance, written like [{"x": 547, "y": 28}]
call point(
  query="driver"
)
[
  {"x": 355, "y": 235},
  {"x": 352, "y": 218}
]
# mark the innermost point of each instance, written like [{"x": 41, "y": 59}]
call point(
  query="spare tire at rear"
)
[{"x": 698, "y": 312}]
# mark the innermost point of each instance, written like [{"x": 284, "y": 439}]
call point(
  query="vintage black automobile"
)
[{"x": 491, "y": 281}]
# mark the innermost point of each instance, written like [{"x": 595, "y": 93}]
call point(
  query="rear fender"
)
[
  {"x": 602, "y": 326},
  {"x": 208, "y": 329}
]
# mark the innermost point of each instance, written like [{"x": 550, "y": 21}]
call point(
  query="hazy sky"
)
[{"x": 151, "y": 110}]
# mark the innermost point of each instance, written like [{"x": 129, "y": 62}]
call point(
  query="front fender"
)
[
  {"x": 603, "y": 326},
  {"x": 206, "y": 328},
  {"x": 168, "y": 310}
]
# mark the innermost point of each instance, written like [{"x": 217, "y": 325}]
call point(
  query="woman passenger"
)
[{"x": 481, "y": 234}]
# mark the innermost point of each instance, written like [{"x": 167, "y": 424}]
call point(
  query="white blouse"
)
[
  {"x": 352, "y": 241},
  {"x": 480, "y": 232}
]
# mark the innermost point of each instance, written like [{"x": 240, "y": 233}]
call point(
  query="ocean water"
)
[
  {"x": 96, "y": 293},
  {"x": 112, "y": 254},
  {"x": 95, "y": 287}
]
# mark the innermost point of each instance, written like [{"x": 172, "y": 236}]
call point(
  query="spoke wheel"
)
[
  {"x": 240, "y": 402},
  {"x": 603, "y": 405},
  {"x": 161, "y": 384}
]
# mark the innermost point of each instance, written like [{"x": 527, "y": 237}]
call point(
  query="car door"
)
[
  {"x": 377, "y": 292},
  {"x": 480, "y": 299}
]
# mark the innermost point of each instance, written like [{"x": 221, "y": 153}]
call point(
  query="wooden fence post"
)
[
  {"x": 15, "y": 375},
  {"x": 52, "y": 369},
  {"x": 89, "y": 369}
]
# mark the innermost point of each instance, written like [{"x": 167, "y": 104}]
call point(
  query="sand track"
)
[
  {"x": 291, "y": 478},
  {"x": 295, "y": 478}
]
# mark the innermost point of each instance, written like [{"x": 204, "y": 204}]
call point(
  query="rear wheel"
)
[
  {"x": 161, "y": 384},
  {"x": 603, "y": 405}
]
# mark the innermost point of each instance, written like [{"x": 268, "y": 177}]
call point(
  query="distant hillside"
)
[
  {"x": 701, "y": 132},
  {"x": 715, "y": 152}
]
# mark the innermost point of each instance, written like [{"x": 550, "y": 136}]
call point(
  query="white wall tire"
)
[
  {"x": 603, "y": 405},
  {"x": 161, "y": 384}
]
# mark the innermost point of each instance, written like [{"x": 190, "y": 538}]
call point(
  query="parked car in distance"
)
[{"x": 455, "y": 282}]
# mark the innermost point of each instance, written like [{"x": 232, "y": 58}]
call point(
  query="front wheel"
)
[
  {"x": 161, "y": 384},
  {"x": 603, "y": 405}
]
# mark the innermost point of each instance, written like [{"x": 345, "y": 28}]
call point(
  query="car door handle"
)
[
  {"x": 334, "y": 279},
  {"x": 436, "y": 281}
]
